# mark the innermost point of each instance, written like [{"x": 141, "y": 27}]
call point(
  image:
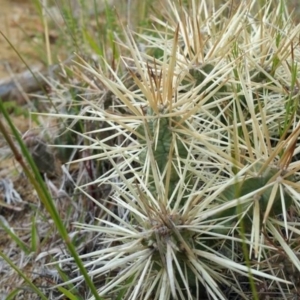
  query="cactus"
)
[
  {"x": 256, "y": 183},
  {"x": 208, "y": 135},
  {"x": 166, "y": 147}
]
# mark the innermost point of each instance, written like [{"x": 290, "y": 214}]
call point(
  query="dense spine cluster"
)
[{"x": 204, "y": 160}]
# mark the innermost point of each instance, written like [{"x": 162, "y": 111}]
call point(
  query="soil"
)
[{"x": 19, "y": 23}]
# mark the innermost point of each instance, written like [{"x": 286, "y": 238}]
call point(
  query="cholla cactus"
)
[{"x": 204, "y": 160}]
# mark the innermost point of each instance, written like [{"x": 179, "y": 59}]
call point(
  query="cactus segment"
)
[{"x": 250, "y": 185}]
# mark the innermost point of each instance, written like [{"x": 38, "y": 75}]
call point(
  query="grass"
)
[{"x": 179, "y": 141}]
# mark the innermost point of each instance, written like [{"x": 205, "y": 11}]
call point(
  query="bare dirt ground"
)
[{"x": 20, "y": 23}]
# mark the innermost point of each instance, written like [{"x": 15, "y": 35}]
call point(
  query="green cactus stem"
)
[
  {"x": 161, "y": 129},
  {"x": 250, "y": 185}
]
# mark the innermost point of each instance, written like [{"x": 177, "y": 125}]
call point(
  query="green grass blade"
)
[
  {"x": 27, "y": 280},
  {"x": 17, "y": 240},
  {"x": 41, "y": 189}
]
